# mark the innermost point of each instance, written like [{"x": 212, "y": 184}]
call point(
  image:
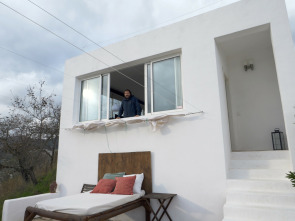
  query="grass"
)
[{"x": 16, "y": 187}]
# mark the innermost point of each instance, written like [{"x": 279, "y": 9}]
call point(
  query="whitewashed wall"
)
[
  {"x": 255, "y": 101},
  {"x": 188, "y": 155},
  {"x": 222, "y": 70}
]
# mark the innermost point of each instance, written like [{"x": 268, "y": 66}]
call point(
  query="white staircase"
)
[{"x": 257, "y": 188}]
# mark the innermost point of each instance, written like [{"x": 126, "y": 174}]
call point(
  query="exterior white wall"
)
[
  {"x": 255, "y": 101},
  {"x": 188, "y": 154}
]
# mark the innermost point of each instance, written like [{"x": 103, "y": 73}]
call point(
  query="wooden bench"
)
[
  {"x": 131, "y": 163},
  {"x": 87, "y": 187}
]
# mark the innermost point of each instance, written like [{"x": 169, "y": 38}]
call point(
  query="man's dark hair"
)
[{"x": 128, "y": 90}]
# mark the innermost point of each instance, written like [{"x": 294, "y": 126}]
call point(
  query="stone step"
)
[
  {"x": 261, "y": 155},
  {"x": 261, "y": 164},
  {"x": 235, "y": 212},
  {"x": 257, "y": 187},
  {"x": 286, "y": 200},
  {"x": 274, "y": 186},
  {"x": 259, "y": 174}
]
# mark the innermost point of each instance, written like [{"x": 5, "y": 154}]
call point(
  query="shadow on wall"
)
[
  {"x": 175, "y": 120},
  {"x": 190, "y": 210},
  {"x": 180, "y": 207},
  {"x": 62, "y": 189}
]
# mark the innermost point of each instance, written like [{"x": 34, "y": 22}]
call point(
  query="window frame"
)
[
  {"x": 152, "y": 87},
  {"x": 100, "y": 76},
  {"x": 108, "y": 96}
]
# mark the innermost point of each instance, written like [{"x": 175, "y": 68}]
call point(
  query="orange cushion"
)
[
  {"x": 104, "y": 186},
  {"x": 124, "y": 185}
]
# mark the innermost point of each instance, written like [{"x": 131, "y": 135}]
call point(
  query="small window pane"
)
[
  {"x": 104, "y": 97},
  {"x": 167, "y": 85},
  {"x": 89, "y": 100}
]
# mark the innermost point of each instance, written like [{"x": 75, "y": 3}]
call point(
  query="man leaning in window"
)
[{"x": 129, "y": 106}]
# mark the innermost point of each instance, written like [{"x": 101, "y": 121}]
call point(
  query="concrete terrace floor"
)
[
  {"x": 48, "y": 219},
  {"x": 42, "y": 219}
]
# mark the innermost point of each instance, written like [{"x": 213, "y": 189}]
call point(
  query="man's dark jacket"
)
[{"x": 130, "y": 107}]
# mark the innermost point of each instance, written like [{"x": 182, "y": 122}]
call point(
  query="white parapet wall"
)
[{"x": 14, "y": 209}]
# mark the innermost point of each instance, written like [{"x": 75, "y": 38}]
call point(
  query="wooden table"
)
[{"x": 162, "y": 198}]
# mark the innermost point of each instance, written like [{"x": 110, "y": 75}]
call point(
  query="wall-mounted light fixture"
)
[{"x": 248, "y": 65}]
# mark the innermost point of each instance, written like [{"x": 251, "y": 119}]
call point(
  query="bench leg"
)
[
  {"x": 147, "y": 211},
  {"x": 29, "y": 216},
  {"x": 147, "y": 215}
]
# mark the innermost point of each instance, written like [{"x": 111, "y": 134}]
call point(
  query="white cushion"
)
[{"x": 138, "y": 182}]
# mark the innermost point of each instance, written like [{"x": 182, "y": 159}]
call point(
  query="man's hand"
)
[
  {"x": 118, "y": 118},
  {"x": 136, "y": 115}
]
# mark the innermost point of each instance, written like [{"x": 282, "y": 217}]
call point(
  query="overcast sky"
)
[{"x": 30, "y": 54}]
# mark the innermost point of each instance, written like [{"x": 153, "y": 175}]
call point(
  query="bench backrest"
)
[{"x": 131, "y": 163}]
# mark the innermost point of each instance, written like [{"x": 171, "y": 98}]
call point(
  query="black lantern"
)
[{"x": 278, "y": 141}]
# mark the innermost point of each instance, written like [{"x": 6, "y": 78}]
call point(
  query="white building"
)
[{"x": 191, "y": 66}]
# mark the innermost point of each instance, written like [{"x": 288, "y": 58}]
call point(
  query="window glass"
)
[
  {"x": 89, "y": 99},
  {"x": 166, "y": 85}
]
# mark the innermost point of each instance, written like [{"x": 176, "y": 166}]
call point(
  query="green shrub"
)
[{"x": 291, "y": 176}]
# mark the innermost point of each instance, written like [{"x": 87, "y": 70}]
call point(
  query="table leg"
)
[
  {"x": 158, "y": 210},
  {"x": 165, "y": 208},
  {"x": 152, "y": 211}
]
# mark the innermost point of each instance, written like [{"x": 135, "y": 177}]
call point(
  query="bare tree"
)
[{"x": 30, "y": 131}]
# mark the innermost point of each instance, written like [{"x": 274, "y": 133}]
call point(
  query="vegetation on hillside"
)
[{"x": 28, "y": 144}]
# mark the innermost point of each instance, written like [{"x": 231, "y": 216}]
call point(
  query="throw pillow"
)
[
  {"x": 113, "y": 175},
  {"x": 104, "y": 186},
  {"x": 138, "y": 182},
  {"x": 124, "y": 185}
]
